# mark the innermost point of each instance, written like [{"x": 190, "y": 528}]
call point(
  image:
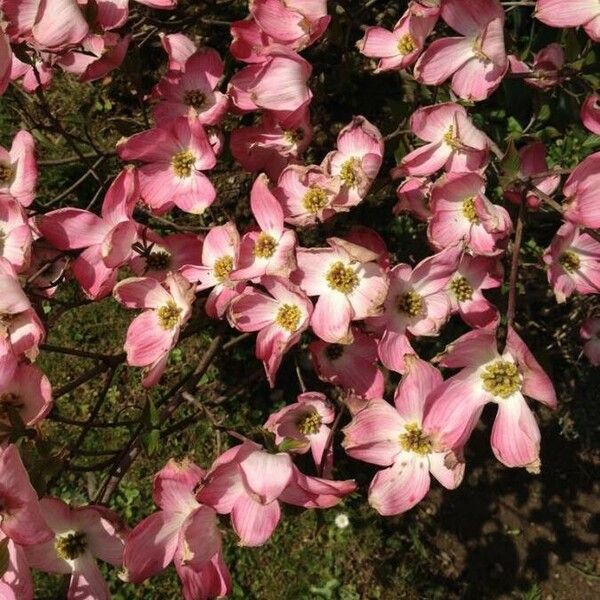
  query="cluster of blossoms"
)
[{"x": 362, "y": 316}]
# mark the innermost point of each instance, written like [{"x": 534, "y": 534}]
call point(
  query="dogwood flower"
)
[
  {"x": 477, "y": 61},
  {"x": 175, "y": 155},
  {"x": 573, "y": 262},
  {"x": 590, "y": 334},
  {"x": 453, "y": 142},
  {"x": 581, "y": 207},
  {"x": 280, "y": 318},
  {"x": 155, "y": 332},
  {"x": 461, "y": 213},
  {"x": 490, "y": 376},
  {"x": 547, "y": 65},
  {"x": 6, "y": 57},
  {"x": 397, "y": 438},
  {"x": 413, "y": 197},
  {"x": 350, "y": 284},
  {"x": 183, "y": 531},
  {"x": 15, "y": 233},
  {"x": 81, "y": 535},
  {"x": 580, "y": 12},
  {"x": 16, "y": 583},
  {"x": 18, "y": 169}
]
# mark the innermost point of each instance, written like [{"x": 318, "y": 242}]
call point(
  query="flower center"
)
[
  {"x": 410, "y": 303},
  {"x": 501, "y": 378},
  {"x": 334, "y": 351},
  {"x": 461, "y": 288},
  {"x": 293, "y": 135},
  {"x": 169, "y": 315},
  {"x": 476, "y": 47},
  {"x": 349, "y": 174},
  {"x": 450, "y": 138},
  {"x": 71, "y": 546},
  {"x": 6, "y": 173},
  {"x": 314, "y": 200},
  {"x": 468, "y": 210},
  {"x": 265, "y": 246},
  {"x": 406, "y": 44},
  {"x": 310, "y": 423},
  {"x": 413, "y": 439},
  {"x": 182, "y": 163},
  {"x": 341, "y": 278},
  {"x": 288, "y": 317},
  {"x": 222, "y": 267},
  {"x": 194, "y": 98},
  {"x": 569, "y": 261},
  {"x": 6, "y": 319},
  {"x": 158, "y": 261}
]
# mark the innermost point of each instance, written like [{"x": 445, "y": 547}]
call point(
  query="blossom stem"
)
[{"x": 514, "y": 267}]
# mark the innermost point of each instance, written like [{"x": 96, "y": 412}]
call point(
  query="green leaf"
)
[
  {"x": 150, "y": 417},
  {"x": 290, "y": 444},
  {"x": 150, "y": 441}
]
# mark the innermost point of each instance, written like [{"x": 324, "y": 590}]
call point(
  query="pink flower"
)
[
  {"x": 43, "y": 62},
  {"x": 413, "y": 197},
  {"x": 351, "y": 366},
  {"x": 270, "y": 251},
  {"x": 399, "y": 48},
  {"x": 397, "y": 438},
  {"x": 590, "y": 334},
  {"x": 573, "y": 14},
  {"x": 453, "y": 142},
  {"x": 102, "y": 54},
  {"x": 249, "y": 41},
  {"x": 573, "y": 262},
  {"x": 280, "y": 318},
  {"x": 183, "y": 531},
  {"x": 295, "y": 23},
  {"x": 356, "y": 161},
  {"x": 220, "y": 256},
  {"x": 18, "y": 169},
  {"x": 22, "y": 519},
  {"x": 155, "y": 332},
  {"x": 106, "y": 240},
  {"x": 161, "y": 256},
  {"x": 547, "y": 65},
  {"x": 17, "y": 578},
  {"x": 462, "y": 213},
  {"x": 302, "y": 426},
  {"x": 274, "y": 143},
  {"x": 15, "y": 233},
  {"x": 179, "y": 48},
  {"x": 350, "y": 284},
  {"x": 416, "y": 303},
  {"x": 175, "y": 156},
  {"x": 590, "y": 113},
  {"x": 477, "y": 62},
  {"x": 191, "y": 92},
  {"x": 6, "y": 57},
  {"x": 279, "y": 83},
  {"x": 20, "y": 327},
  {"x": 488, "y": 376},
  {"x": 81, "y": 535},
  {"x": 47, "y": 267},
  {"x": 580, "y": 190},
  {"x": 307, "y": 195},
  {"x": 464, "y": 290},
  {"x": 28, "y": 394},
  {"x": 532, "y": 163}
]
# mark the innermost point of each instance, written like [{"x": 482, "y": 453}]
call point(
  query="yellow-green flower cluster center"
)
[
  {"x": 265, "y": 246},
  {"x": 569, "y": 261},
  {"x": 182, "y": 163},
  {"x": 413, "y": 440},
  {"x": 222, "y": 267},
  {"x": 194, "y": 98},
  {"x": 501, "y": 378},
  {"x": 169, "y": 315},
  {"x": 310, "y": 423},
  {"x": 410, "y": 303},
  {"x": 349, "y": 173},
  {"x": 315, "y": 199},
  {"x": 288, "y": 317},
  {"x": 406, "y": 44},
  {"x": 341, "y": 278},
  {"x": 468, "y": 210},
  {"x": 461, "y": 288},
  {"x": 71, "y": 546}
]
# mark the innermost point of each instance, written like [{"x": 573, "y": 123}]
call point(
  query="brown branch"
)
[
  {"x": 329, "y": 442},
  {"x": 514, "y": 268}
]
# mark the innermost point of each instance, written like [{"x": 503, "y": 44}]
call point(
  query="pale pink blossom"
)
[
  {"x": 15, "y": 233},
  {"x": 416, "y": 304},
  {"x": 557, "y": 13},
  {"x": 453, "y": 142},
  {"x": 106, "y": 240},
  {"x": 303, "y": 426},
  {"x": 461, "y": 213},
  {"x": 81, "y": 536},
  {"x": 546, "y": 69},
  {"x": 280, "y": 317},
  {"x": 174, "y": 156},
  {"x": 249, "y": 41},
  {"x": 20, "y": 512},
  {"x": 18, "y": 169},
  {"x": 17, "y": 579},
  {"x": 6, "y": 61},
  {"x": 397, "y": 438},
  {"x": 25, "y": 71},
  {"x": 155, "y": 332},
  {"x": 179, "y": 48},
  {"x": 220, "y": 256},
  {"x": 581, "y": 193},
  {"x": 590, "y": 113},
  {"x": 413, "y": 197},
  {"x": 477, "y": 62},
  {"x": 271, "y": 250},
  {"x": 590, "y": 334},
  {"x": 350, "y": 285},
  {"x": 351, "y": 366},
  {"x": 490, "y": 376},
  {"x": 573, "y": 263},
  {"x": 356, "y": 161},
  {"x": 184, "y": 532}
]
